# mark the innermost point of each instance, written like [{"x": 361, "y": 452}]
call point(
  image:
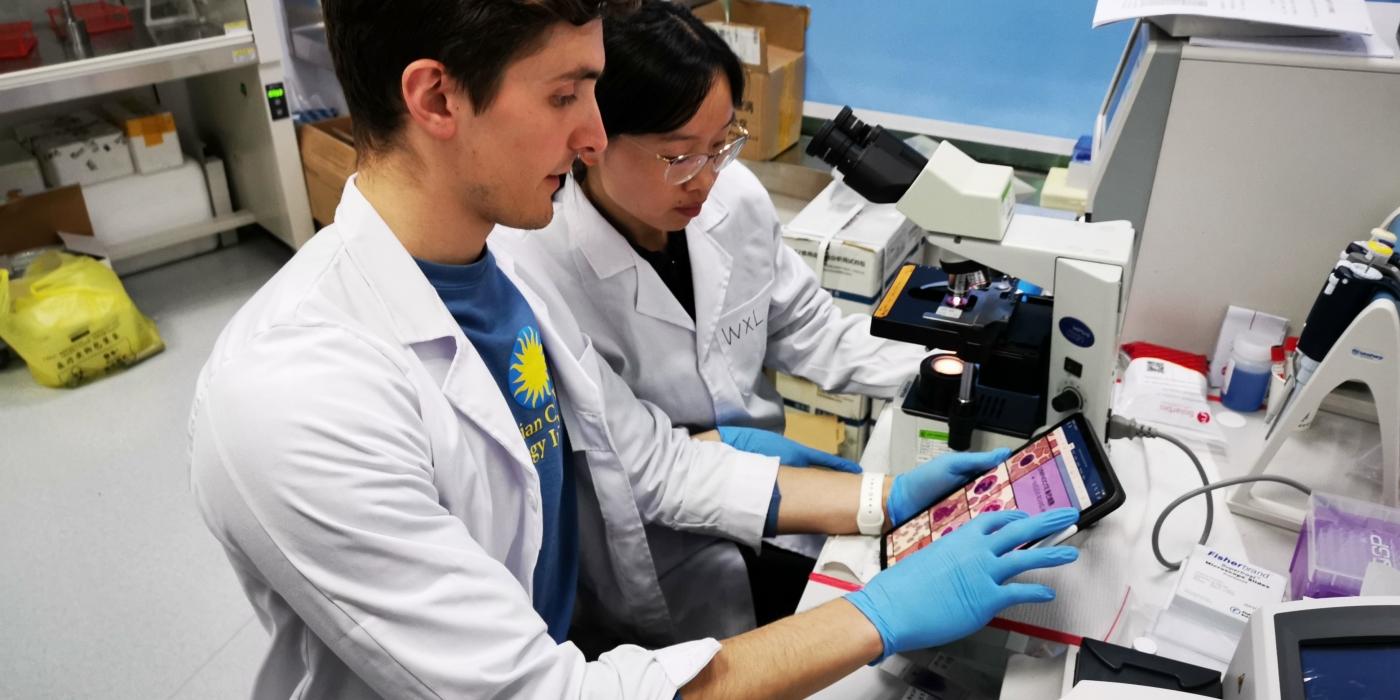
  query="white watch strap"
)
[{"x": 871, "y": 516}]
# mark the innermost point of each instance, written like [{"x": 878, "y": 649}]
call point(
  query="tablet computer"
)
[{"x": 1064, "y": 466}]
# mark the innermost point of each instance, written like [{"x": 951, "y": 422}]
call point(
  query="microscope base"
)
[{"x": 915, "y": 439}]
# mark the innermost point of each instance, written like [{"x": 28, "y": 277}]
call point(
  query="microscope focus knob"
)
[{"x": 1067, "y": 401}]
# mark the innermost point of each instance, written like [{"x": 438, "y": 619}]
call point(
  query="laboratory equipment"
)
[
  {"x": 1318, "y": 649},
  {"x": 1340, "y": 539},
  {"x": 1240, "y": 169},
  {"x": 215, "y": 76},
  {"x": 1352, "y": 335},
  {"x": 17, "y": 39},
  {"x": 187, "y": 14},
  {"x": 93, "y": 17},
  {"x": 1037, "y": 357},
  {"x": 1110, "y": 663},
  {"x": 1366, "y": 270},
  {"x": 75, "y": 31}
]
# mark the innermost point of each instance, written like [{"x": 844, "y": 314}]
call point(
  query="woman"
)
[{"x": 671, "y": 253}]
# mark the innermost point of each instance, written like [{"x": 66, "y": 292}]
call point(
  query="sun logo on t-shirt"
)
[{"x": 529, "y": 375}]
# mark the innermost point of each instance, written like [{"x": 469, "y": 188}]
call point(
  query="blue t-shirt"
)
[{"x": 503, "y": 329}]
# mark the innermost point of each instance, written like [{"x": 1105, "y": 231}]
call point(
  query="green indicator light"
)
[{"x": 275, "y": 93}]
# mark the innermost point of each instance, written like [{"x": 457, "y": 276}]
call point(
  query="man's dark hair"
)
[
  {"x": 661, "y": 63},
  {"x": 372, "y": 41}
]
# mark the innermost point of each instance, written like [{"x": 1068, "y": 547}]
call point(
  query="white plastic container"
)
[{"x": 1247, "y": 377}]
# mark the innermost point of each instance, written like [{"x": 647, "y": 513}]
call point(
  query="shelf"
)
[
  {"x": 48, "y": 84},
  {"x": 160, "y": 240},
  {"x": 181, "y": 234}
]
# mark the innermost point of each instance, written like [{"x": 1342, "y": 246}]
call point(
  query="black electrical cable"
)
[{"x": 1120, "y": 427}]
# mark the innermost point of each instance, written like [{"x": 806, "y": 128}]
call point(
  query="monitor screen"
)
[
  {"x": 1355, "y": 671},
  {"x": 1124, "y": 79}
]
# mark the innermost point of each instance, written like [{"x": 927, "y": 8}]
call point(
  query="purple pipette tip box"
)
[{"x": 1340, "y": 537}]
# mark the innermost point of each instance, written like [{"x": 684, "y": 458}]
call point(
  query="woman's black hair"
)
[{"x": 661, "y": 63}]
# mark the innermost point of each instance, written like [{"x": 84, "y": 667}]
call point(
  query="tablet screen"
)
[{"x": 1056, "y": 470}]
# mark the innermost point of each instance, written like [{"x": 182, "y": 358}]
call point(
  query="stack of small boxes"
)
[
  {"x": 83, "y": 148},
  {"x": 856, "y": 248}
]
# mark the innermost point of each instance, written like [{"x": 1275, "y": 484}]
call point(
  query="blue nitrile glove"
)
[
  {"x": 929, "y": 482},
  {"x": 792, "y": 454},
  {"x": 956, "y": 585}
]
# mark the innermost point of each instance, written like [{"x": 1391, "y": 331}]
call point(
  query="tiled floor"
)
[{"x": 110, "y": 585}]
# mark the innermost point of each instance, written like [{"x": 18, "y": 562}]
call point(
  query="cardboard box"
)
[
  {"x": 34, "y": 221},
  {"x": 327, "y": 160},
  {"x": 771, "y": 39},
  {"x": 19, "y": 171},
  {"x": 805, "y": 393},
  {"x": 825, "y": 433},
  {"x": 855, "y": 432},
  {"x": 857, "y": 435},
  {"x": 855, "y": 247},
  {"x": 150, "y": 135},
  {"x": 85, "y": 155}
]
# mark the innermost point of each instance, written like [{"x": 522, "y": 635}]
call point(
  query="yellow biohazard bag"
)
[{"x": 70, "y": 319}]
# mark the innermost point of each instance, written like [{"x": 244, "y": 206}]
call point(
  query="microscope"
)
[{"x": 1008, "y": 359}]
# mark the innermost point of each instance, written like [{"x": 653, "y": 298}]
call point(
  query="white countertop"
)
[{"x": 1117, "y": 588}]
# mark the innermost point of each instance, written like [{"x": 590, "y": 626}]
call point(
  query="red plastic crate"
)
[
  {"x": 17, "y": 39},
  {"x": 99, "y": 16}
]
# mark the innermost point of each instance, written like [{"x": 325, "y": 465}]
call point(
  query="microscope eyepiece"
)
[{"x": 875, "y": 163}]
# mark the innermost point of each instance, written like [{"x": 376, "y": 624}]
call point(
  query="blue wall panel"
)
[{"x": 1026, "y": 65}]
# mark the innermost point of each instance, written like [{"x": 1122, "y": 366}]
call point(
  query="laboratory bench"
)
[{"x": 1116, "y": 589}]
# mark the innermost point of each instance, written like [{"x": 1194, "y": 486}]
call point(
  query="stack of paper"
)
[
  {"x": 1343, "y": 45},
  {"x": 1237, "y": 18}
]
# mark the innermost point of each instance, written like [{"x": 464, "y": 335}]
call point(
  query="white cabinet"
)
[{"x": 218, "y": 65}]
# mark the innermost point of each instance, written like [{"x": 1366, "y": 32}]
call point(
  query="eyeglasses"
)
[{"x": 683, "y": 169}]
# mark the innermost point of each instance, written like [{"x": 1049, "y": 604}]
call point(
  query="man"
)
[{"x": 421, "y": 471}]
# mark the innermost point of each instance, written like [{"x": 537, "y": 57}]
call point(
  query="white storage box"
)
[
  {"x": 83, "y": 156},
  {"x": 28, "y": 131},
  {"x": 130, "y": 208},
  {"x": 855, "y": 247},
  {"x": 19, "y": 171},
  {"x": 150, "y": 135}
]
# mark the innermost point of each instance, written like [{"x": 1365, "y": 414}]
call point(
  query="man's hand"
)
[
  {"x": 931, "y": 481},
  {"x": 789, "y": 453},
  {"x": 956, "y": 585}
]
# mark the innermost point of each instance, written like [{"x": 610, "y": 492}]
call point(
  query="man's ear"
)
[{"x": 431, "y": 98}]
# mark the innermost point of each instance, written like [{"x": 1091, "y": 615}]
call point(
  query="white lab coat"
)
[
  {"x": 355, "y": 458},
  {"x": 757, "y": 305}
]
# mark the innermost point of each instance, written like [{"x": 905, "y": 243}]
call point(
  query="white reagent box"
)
[{"x": 1214, "y": 599}]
